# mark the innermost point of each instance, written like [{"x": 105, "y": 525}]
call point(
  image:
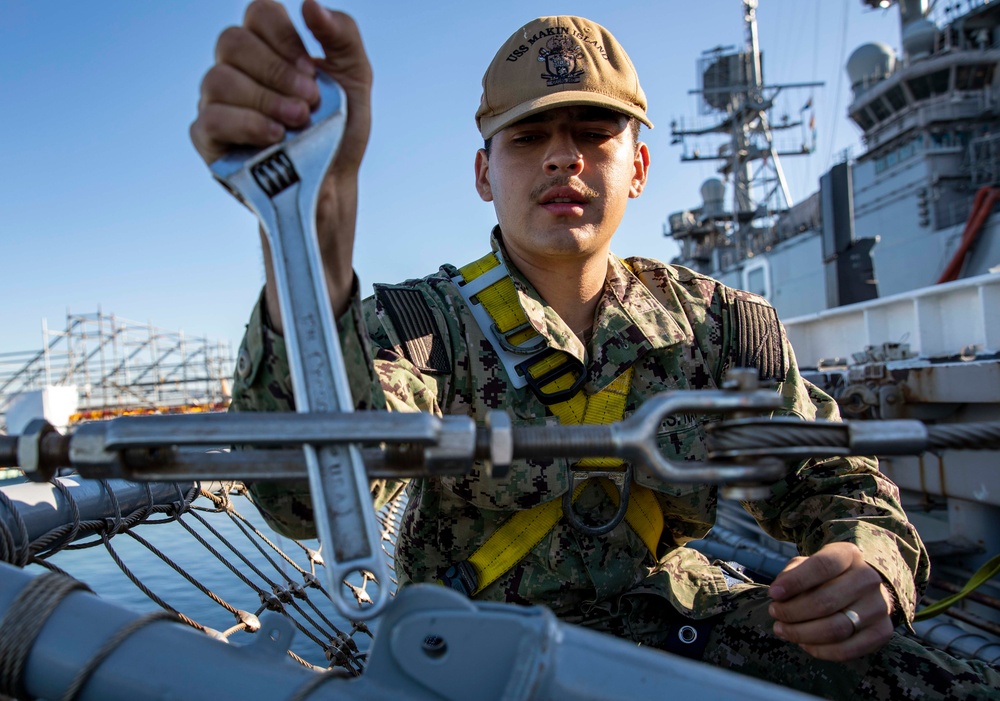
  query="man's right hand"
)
[{"x": 263, "y": 82}]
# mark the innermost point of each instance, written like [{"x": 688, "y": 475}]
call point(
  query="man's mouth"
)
[{"x": 562, "y": 195}]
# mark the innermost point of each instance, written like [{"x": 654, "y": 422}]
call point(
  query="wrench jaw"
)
[
  {"x": 332, "y": 107},
  {"x": 280, "y": 184}
]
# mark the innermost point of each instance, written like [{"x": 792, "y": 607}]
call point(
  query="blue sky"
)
[{"x": 103, "y": 201}]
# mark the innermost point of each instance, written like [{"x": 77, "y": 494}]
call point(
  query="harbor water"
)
[{"x": 95, "y": 567}]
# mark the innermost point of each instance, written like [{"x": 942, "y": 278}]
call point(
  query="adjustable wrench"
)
[{"x": 280, "y": 184}]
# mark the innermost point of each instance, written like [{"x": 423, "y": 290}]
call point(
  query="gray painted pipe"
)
[
  {"x": 43, "y": 508},
  {"x": 163, "y": 660},
  {"x": 433, "y": 645}
]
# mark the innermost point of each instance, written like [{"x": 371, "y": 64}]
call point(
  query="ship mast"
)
[{"x": 734, "y": 92}]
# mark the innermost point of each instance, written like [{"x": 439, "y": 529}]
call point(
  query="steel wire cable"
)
[
  {"x": 971, "y": 436},
  {"x": 723, "y": 438},
  {"x": 110, "y": 645},
  {"x": 232, "y": 568},
  {"x": 241, "y": 522},
  {"x": 339, "y": 646},
  {"x": 182, "y": 572},
  {"x": 9, "y": 550},
  {"x": 143, "y": 588},
  {"x": 237, "y": 516},
  {"x": 761, "y": 436},
  {"x": 23, "y": 623},
  {"x": 66, "y": 534}
]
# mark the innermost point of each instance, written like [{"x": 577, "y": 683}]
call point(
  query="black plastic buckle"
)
[
  {"x": 536, "y": 383},
  {"x": 462, "y": 578}
]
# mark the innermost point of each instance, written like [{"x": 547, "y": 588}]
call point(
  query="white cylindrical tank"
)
[
  {"x": 918, "y": 39},
  {"x": 869, "y": 64},
  {"x": 713, "y": 194}
]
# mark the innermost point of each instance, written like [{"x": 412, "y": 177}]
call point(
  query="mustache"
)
[{"x": 564, "y": 181}]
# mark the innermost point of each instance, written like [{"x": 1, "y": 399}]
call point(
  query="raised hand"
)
[{"x": 263, "y": 82}]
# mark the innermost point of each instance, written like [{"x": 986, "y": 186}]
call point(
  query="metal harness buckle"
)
[{"x": 536, "y": 383}]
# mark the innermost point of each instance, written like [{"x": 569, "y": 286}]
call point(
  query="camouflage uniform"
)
[{"x": 678, "y": 330}]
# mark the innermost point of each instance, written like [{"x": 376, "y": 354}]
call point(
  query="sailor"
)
[{"x": 580, "y": 336}]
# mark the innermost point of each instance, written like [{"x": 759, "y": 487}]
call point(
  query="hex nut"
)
[
  {"x": 742, "y": 379},
  {"x": 501, "y": 443}
]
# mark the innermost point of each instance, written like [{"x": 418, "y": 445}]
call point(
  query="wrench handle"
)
[
  {"x": 281, "y": 185},
  {"x": 338, "y": 482}
]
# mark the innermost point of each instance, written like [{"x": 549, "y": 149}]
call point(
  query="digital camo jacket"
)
[{"x": 678, "y": 330}]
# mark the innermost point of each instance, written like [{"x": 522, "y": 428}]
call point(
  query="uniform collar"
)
[
  {"x": 538, "y": 313},
  {"x": 630, "y": 320}
]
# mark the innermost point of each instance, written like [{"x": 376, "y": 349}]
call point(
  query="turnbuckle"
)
[{"x": 280, "y": 184}]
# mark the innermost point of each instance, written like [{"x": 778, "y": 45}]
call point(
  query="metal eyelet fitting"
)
[
  {"x": 622, "y": 478},
  {"x": 687, "y": 634}
]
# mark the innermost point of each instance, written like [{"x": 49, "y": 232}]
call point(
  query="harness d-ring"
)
[{"x": 567, "y": 500}]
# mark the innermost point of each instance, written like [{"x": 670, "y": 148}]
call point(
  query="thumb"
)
[
  {"x": 347, "y": 63},
  {"x": 338, "y": 34}
]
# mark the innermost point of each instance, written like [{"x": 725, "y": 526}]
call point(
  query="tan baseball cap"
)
[{"x": 557, "y": 62}]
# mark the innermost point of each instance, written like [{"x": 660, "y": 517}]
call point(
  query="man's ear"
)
[
  {"x": 483, "y": 176},
  {"x": 641, "y": 171}
]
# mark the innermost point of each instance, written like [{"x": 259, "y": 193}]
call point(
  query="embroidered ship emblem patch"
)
[{"x": 560, "y": 55}]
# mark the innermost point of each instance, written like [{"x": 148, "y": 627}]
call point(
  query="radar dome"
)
[
  {"x": 869, "y": 64},
  {"x": 713, "y": 193},
  {"x": 918, "y": 38}
]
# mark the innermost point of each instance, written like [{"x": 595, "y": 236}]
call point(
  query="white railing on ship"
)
[{"x": 939, "y": 321}]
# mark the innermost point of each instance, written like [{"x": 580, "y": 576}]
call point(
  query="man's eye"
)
[{"x": 525, "y": 138}]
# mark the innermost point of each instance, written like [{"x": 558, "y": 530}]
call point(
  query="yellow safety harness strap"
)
[
  {"x": 985, "y": 573},
  {"x": 500, "y": 300},
  {"x": 515, "y": 538},
  {"x": 522, "y": 532},
  {"x": 644, "y": 514}
]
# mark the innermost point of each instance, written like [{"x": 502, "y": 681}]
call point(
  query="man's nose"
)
[{"x": 563, "y": 156}]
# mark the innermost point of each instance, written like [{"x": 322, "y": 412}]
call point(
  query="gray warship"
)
[
  {"x": 883, "y": 278},
  {"x": 887, "y": 277}
]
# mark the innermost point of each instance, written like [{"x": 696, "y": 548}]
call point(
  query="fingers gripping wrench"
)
[{"x": 281, "y": 185}]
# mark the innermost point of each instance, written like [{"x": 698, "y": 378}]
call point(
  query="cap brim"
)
[{"x": 489, "y": 126}]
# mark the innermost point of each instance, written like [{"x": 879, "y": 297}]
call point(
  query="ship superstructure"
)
[
  {"x": 895, "y": 218},
  {"x": 738, "y": 104},
  {"x": 931, "y": 354},
  {"x": 888, "y": 282}
]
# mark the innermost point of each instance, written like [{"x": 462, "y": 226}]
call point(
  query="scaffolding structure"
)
[{"x": 121, "y": 367}]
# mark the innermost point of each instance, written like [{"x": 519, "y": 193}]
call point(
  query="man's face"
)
[{"x": 559, "y": 182}]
